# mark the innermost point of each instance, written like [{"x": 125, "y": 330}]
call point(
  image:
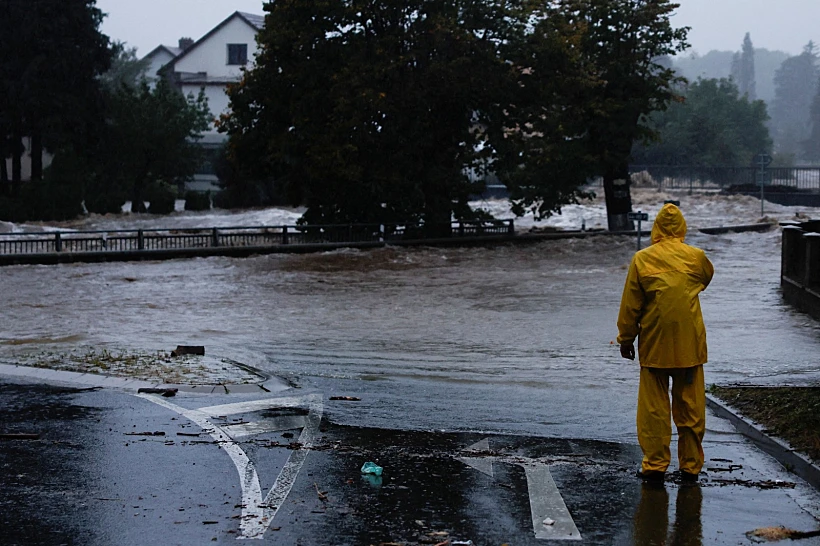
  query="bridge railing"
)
[
  {"x": 695, "y": 177},
  {"x": 137, "y": 240}
]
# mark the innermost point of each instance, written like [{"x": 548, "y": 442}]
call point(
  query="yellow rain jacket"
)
[{"x": 660, "y": 304}]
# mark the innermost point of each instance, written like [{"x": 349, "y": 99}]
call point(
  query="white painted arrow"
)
[
  {"x": 546, "y": 503},
  {"x": 257, "y": 513}
]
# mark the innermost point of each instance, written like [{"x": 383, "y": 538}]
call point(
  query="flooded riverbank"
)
[{"x": 512, "y": 339}]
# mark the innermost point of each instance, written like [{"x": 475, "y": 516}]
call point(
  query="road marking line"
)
[
  {"x": 482, "y": 464},
  {"x": 275, "y": 424},
  {"x": 545, "y": 498},
  {"x": 257, "y": 513},
  {"x": 256, "y": 405},
  {"x": 546, "y": 502}
]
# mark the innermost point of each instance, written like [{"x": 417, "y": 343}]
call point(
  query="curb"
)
[
  {"x": 90, "y": 380},
  {"x": 791, "y": 460}
]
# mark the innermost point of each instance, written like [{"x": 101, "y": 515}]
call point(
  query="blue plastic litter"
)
[{"x": 371, "y": 468}]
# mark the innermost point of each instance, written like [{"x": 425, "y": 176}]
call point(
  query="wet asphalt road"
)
[{"x": 94, "y": 477}]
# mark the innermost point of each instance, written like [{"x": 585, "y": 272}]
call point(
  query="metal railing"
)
[
  {"x": 693, "y": 177},
  {"x": 138, "y": 240}
]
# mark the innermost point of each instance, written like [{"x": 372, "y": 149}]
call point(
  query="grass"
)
[{"x": 790, "y": 413}]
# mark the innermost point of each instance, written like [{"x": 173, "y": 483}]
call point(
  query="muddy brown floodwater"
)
[{"x": 516, "y": 339}]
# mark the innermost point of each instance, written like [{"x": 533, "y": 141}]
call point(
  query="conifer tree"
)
[
  {"x": 795, "y": 89},
  {"x": 743, "y": 69}
]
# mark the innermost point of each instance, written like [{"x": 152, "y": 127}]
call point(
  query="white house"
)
[
  {"x": 209, "y": 65},
  {"x": 158, "y": 58},
  {"x": 217, "y": 58}
]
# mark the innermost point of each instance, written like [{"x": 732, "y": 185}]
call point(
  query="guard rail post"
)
[
  {"x": 140, "y": 240},
  {"x": 511, "y": 227},
  {"x": 58, "y": 242},
  {"x": 215, "y": 237},
  {"x": 792, "y": 236},
  {"x": 811, "y": 273},
  {"x": 284, "y": 235}
]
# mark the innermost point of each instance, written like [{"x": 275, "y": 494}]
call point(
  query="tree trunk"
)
[
  {"x": 4, "y": 168},
  {"x": 137, "y": 202},
  {"x": 17, "y": 150},
  {"x": 437, "y": 214},
  {"x": 36, "y": 154},
  {"x": 618, "y": 198}
]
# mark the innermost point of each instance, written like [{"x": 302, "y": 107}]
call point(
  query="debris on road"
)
[
  {"x": 188, "y": 350},
  {"x": 322, "y": 494},
  {"x": 348, "y": 398},
  {"x": 730, "y": 468},
  {"x": 372, "y": 468},
  {"x": 153, "y": 390},
  {"x": 765, "y": 484},
  {"x": 772, "y": 534},
  {"x": 19, "y": 436},
  {"x": 156, "y": 433}
]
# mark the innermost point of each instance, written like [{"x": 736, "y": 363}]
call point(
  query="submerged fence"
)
[{"x": 148, "y": 241}]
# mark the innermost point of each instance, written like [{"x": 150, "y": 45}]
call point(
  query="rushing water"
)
[{"x": 510, "y": 339}]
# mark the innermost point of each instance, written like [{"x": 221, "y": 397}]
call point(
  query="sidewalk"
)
[{"x": 111, "y": 466}]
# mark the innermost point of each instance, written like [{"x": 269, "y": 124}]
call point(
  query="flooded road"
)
[{"x": 515, "y": 339}]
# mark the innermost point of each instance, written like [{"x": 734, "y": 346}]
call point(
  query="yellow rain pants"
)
[
  {"x": 660, "y": 307},
  {"x": 688, "y": 412}
]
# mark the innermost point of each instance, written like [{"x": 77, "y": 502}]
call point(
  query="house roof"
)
[
  {"x": 173, "y": 51},
  {"x": 257, "y": 22}
]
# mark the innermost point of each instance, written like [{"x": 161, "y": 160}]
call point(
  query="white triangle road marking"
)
[{"x": 257, "y": 512}]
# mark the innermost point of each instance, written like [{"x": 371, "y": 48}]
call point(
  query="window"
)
[{"x": 237, "y": 53}]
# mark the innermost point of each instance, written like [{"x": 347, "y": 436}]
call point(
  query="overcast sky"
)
[{"x": 786, "y": 25}]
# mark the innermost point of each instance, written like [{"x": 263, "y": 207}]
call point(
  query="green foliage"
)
[
  {"x": 161, "y": 197},
  {"x": 392, "y": 111},
  {"x": 44, "y": 200},
  {"x": 365, "y": 112},
  {"x": 717, "y": 64},
  {"x": 811, "y": 146},
  {"x": 743, "y": 69},
  {"x": 197, "y": 200},
  {"x": 628, "y": 43},
  {"x": 51, "y": 56},
  {"x": 795, "y": 90},
  {"x": 150, "y": 140},
  {"x": 713, "y": 127}
]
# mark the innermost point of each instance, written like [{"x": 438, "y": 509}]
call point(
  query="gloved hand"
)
[{"x": 628, "y": 350}]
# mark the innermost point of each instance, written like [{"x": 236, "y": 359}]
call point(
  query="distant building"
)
[
  {"x": 210, "y": 64},
  {"x": 159, "y": 57}
]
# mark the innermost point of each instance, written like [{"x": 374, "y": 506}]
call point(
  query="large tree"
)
[
  {"x": 715, "y": 126},
  {"x": 627, "y": 40},
  {"x": 795, "y": 89},
  {"x": 51, "y": 55},
  {"x": 811, "y": 146},
  {"x": 150, "y": 140},
  {"x": 382, "y": 111},
  {"x": 370, "y": 111}
]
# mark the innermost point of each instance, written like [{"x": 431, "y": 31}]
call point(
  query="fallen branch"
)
[
  {"x": 322, "y": 494},
  {"x": 19, "y": 436}
]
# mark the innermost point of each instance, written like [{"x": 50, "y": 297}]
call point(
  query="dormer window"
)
[{"x": 238, "y": 54}]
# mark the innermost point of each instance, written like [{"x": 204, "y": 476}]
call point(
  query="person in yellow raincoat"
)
[{"x": 660, "y": 307}]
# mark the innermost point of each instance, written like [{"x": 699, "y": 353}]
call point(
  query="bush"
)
[
  {"x": 42, "y": 201},
  {"x": 197, "y": 200},
  {"x": 162, "y": 198}
]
